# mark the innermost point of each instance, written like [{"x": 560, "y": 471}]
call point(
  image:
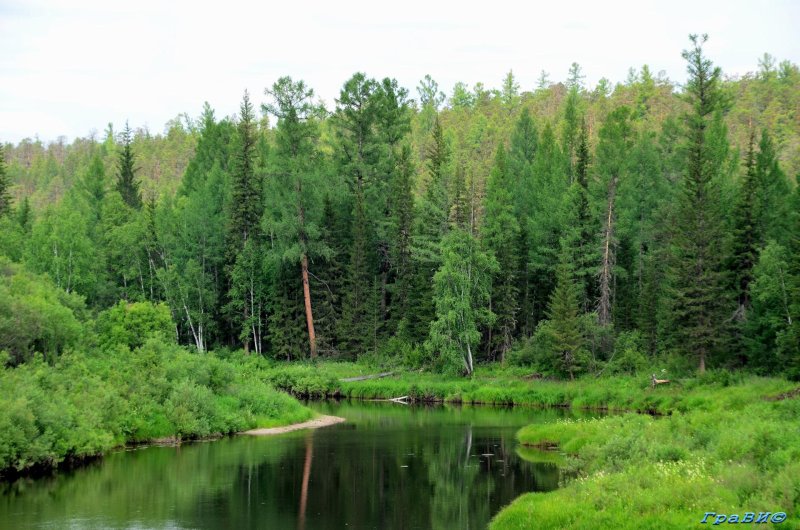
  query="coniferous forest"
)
[
  {"x": 630, "y": 249},
  {"x": 570, "y": 229}
]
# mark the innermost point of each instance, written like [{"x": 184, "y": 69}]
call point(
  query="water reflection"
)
[{"x": 389, "y": 466}]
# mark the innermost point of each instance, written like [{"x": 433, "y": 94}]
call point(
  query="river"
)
[{"x": 389, "y": 466}]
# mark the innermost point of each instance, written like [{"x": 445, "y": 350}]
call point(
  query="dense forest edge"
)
[{"x": 552, "y": 247}]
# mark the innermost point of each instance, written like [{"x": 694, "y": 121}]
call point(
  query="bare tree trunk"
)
[
  {"x": 604, "y": 306},
  {"x": 312, "y": 338}
]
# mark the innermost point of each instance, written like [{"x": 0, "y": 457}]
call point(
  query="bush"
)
[
  {"x": 87, "y": 403},
  {"x": 132, "y": 324},
  {"x": 629, "y": 354},
  {"x": 35, "y": 315}
]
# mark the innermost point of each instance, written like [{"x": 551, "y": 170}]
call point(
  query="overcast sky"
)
[{"x": 70, "y": 67}]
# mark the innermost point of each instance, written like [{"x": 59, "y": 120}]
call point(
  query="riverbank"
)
[
  {"x": 87, "y": 403},
  {"x": 736, "y": 454},
  {"x": 515, "y": 386},
  {"x": 316, "y": 423}
]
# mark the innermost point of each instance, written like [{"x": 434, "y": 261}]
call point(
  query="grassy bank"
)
[
  {"x": 514, "y": 386},
  {"x": 728, "y": 451},
  {"x": 88, "y": 403}
]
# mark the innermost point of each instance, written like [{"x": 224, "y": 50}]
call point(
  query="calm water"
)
[{"x": 388, "y": 466}]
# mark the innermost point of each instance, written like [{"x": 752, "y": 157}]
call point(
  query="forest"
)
[
  {"x": 561, "y": 246},
  {"x": 575, "y": 231}
]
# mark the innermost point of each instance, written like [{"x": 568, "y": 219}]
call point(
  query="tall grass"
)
[{"x": 728, "y": 450}]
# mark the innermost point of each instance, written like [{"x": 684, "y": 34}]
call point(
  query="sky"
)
[{"x": 71, "y": 67}]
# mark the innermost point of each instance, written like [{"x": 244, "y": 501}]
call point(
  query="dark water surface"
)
[{"x": 389, "y": 466}]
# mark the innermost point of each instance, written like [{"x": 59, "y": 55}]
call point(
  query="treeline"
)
[{"x": 572, "y": 230}]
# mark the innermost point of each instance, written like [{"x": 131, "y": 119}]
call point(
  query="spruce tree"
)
[
  {"x": 613, "y": 153},
  {"x": 546, "y": 223},
  {"x": 698, "y": 295},
  {"x": 431, "y": 226},
  {"x": 358, "y": 153},
  {"x": 584, "y": 227},
  {"x": 403, "y": 218},
  {"x": 500, "y": 236},
  {"x": 128, "y": 185},
  {"x": 246, "y": 289},
  {"x": 519, "y": 162},
  {"x": 564, "y": 326},
  {"x": 746, "y": 237},
  {"x": 773, "y": 189},
  {"x": 329, "y": 271},
  {"x": 24, "y": 217}
]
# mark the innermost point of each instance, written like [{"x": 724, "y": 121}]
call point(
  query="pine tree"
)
[
  {"x": 564, "y": 321},
  {"x": 746, "y": 237},
  {"x": 403, "y": 218},
  {"x": 5, "y": 184},
  {"x": 329, "y": 272},
  {"x": 500, "y": 235},
  {"x": 698, "y": 294},
  {"x": 245, "y": 292},
  {"x": 773, "y": 189},
  {"x": 128, "y": 185},
  {"x": 546, "y": 222},
  {"x": 584, "y": 229},
  {"x": 523, "y": 147},
  {"x": 358, "y": 153},
  {"x": 431, "y": 226},
  {"x": 613, "y": 153},
  {"x": 296, "y": 178}
]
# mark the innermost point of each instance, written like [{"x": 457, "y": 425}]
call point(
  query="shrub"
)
[{"x": 132, "y": 324}]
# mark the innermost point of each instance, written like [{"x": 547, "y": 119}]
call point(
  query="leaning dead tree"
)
[{"x": 608, "y": 260}]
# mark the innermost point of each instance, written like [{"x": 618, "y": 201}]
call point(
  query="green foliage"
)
[
  {"x": 133, "y": 324},
  {"x": 563, "y": 331},
  {"x": 654, "y": 468},
  {"x": 35, "y": 315},
  {"x": 629, "y": 354},
  {"x": 461, "y": 290},
  {"x": 500, "y": 234},
  {"x": 362, "y": 198},
  {"x": 698, "y": 295},
  {"x": 128, "y": 185},
  {"x": 88, "y": 403}
]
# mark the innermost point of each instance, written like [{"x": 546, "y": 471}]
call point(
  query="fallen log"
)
[
  {"x": 365, "y": 377},
  {"x": 659, "y": 381}
]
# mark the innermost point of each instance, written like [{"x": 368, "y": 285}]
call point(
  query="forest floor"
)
[{"x": 316, "y": 423}]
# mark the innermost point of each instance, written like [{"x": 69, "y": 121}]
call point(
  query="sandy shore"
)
[{"x": 316, "y": 423}]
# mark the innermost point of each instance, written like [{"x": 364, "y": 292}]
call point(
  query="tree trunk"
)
[
  {"x": 312, "y": 338},
  {"x": 604, "y": 306}
]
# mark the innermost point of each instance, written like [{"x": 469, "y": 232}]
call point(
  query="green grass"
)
[
  {"x": 498, "y": 386},
  {"x": 716, "y": 444},
  {"x": 730, "y": 451}
]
